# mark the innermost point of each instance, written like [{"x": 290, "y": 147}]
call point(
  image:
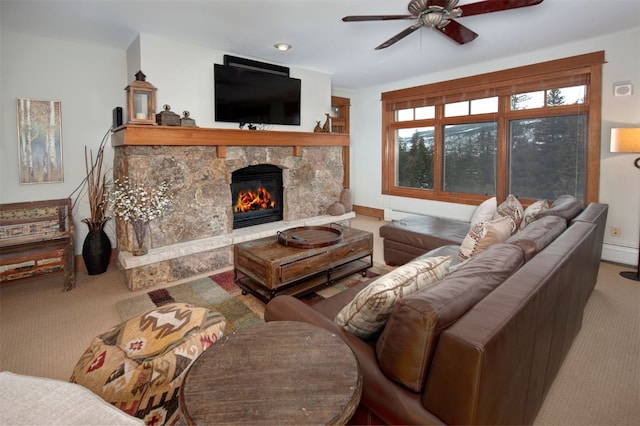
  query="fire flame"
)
[{"x": 249, "y": 200}]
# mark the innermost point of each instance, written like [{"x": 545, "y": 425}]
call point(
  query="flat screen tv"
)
[{"x": 255, "y": 97}]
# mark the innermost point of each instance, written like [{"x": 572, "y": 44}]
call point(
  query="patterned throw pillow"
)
[
  {"x": 139, "y": 365},
  {"x": 510, "y": 207},
  {"x": 485, "y": 211},
  {"x": 484, "y": 234},
  {"x": 531, "y": 212},
  {"x": 366, "y": 315}
]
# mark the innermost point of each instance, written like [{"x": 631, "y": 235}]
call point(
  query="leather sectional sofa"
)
[{"x": 484, "y": 344}]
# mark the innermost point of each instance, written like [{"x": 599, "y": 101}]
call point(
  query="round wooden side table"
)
[{"x": 281, "y": 372}]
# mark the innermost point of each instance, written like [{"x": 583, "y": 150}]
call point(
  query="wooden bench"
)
[{"x": 36, "y": 238}]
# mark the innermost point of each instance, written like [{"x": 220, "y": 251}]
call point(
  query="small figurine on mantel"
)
[
  {"x": 326, "y": 127},
  {"x": 185, "y": 121}
]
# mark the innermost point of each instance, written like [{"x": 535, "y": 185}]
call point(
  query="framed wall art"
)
[{"x": 40, "y": 141}]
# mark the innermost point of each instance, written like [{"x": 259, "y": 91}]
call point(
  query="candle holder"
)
[{"x": 141, "y": 101}]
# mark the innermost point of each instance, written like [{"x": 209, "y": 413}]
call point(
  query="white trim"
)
[{"x": 620, "y": 254}]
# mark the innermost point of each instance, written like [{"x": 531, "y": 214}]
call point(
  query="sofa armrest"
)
[
  {"x": 288, "y": 308},
  {"x": 379, "y": 394}
]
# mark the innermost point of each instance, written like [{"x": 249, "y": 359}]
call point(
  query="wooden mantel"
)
[{"x": 132, "y": 134}]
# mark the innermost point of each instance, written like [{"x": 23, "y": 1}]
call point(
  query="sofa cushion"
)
[
  {"x": 406, "y": 345},
  {"x": 484, "y": 234},
  {"x": 367, "y": 313},
  {"x": 448, "y": 250},
  {"x": 485, "y": 211},
  {"x": 512, "y": 208},
  {"x": 565, "y": 206},
  {"x": 30, "y": 400},
  {"x": 538, "y": 235},
  {"x": 532, "y": 211}
]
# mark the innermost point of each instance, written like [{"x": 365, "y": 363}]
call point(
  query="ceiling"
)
[{"x": 320, "y": 40}]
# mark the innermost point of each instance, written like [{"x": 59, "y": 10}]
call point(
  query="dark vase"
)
[{"x": 96, "y": 252}]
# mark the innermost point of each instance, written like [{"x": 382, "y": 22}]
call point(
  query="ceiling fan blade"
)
[
  {"x": 399, "y": 36},
  {"x": 457, "y": 32},
  {"x": 495, "y": 6},
  {"x": 376, "y": 17}
]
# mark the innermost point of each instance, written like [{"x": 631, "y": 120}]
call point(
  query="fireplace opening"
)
[{"x": 256, "y": 195}]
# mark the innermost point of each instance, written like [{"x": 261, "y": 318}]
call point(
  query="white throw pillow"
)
[
  {"x": 485, "y": 211},
  {"x": 510, "y": 207},
  {"x": 366, "y": 315},
  {"x": 484, "y": 234}
]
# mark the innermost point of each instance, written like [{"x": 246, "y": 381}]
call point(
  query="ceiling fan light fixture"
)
[{"x": 282, "y": 46}]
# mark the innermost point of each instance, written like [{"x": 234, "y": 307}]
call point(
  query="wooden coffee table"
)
[
  {"x": 281, "y": 372},
  {"x": 267, "y": 268}
]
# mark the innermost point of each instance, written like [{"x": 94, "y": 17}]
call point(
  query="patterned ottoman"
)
[{"x": 139, "y": 365}]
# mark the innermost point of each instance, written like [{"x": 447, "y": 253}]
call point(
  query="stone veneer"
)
[{"x": 196, "y": 235}]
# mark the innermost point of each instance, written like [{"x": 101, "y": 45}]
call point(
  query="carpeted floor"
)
[{"x": 222, "y": 294}]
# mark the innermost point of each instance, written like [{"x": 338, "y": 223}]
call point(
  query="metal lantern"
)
[{"x": 141, "y": 101}]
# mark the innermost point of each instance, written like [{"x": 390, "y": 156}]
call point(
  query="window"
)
[{"x": 532, "y": 131}]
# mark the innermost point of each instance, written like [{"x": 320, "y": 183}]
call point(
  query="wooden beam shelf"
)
[{"x": 132, "y": 134}]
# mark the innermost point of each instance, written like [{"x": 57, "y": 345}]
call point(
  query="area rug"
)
[{"x": 220, "y": 292}]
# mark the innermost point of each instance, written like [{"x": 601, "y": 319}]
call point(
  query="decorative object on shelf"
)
[
  {"x": 326, "y": 127},
  {"x": 167, "y": 117},
  {"x": 141, "y": 101},
  {"x": 250, "y": 126},
  {"x": 628, "y": 140},
  {"x": 336, "y": 209},
  {"x": 96, "y": 249},
  {"x": 346, "y": 199},
  {"x": 310, "y": 236},
  {"x": 138, "y": 205},
  {"x": 345, "y": 205},
  {"x": 186, "y": 121}
]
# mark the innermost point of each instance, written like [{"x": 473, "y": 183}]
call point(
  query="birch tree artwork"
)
[{"x": 40, "y": 141}]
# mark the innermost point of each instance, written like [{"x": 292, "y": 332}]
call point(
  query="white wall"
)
[
  {"x": 89, "y": 82},
  {"x": 186, "y": 82},
  {"x": 619, "y": 180}
]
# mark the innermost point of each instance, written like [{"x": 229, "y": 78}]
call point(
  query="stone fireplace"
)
[{"x": 197, "y": 234}]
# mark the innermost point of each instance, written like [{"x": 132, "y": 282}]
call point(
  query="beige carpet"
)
[
  {"x": 599, "y": 382},
  {"x": 43, "y": 332}
]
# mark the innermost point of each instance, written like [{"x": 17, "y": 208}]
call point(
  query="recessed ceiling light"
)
[{"x": 282, "y": 46}]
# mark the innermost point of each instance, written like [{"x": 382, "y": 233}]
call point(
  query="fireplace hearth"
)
[{"x": 256, "y": 195}]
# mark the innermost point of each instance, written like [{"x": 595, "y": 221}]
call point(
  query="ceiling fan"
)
[{"x": 440, "y": 15}]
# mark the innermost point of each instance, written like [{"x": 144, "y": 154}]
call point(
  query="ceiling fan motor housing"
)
[{"x": 434, "y": 13}]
